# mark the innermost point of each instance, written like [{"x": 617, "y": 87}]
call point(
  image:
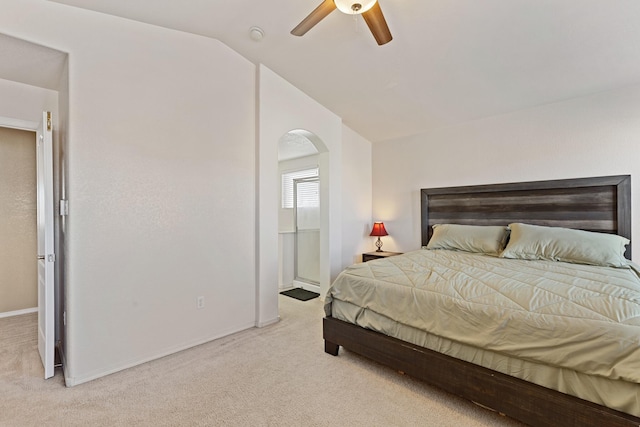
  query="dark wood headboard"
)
[{"x": 600, "y": 204}]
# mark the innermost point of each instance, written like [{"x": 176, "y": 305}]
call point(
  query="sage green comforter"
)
[{"x": 579, "y": 317}]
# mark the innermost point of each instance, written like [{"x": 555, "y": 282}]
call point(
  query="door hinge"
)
[
  {"x": 64, "y": 207},
  {"x": 51, "y": 258},
  {"x": 48, "y": 120}
]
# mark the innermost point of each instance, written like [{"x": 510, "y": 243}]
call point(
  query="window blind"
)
[{"x": 287, "y": 184}]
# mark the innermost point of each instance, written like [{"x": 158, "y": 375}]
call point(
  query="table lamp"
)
[{"x": 378, "y": 230}]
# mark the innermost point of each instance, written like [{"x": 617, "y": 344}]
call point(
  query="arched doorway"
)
[{"x": 301, "y": 229}]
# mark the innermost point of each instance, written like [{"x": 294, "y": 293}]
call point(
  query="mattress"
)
[{"x": 572, "y": 328}]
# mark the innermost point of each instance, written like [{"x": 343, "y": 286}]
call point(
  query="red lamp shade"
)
[{"x": 378, "y": 229}]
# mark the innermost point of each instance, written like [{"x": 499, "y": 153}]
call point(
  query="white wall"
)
[
  {"x": 356, "y": 197},
  {"x": 284, "y": 108},
  {"x": 157, "y": 158},
  {"x": 23, "y": 104},
  {"x": 591, "y": 136},
  {"x": 160, "y": 181}
]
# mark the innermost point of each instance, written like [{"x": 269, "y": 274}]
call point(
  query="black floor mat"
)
[{"x": 301, "y": 294}]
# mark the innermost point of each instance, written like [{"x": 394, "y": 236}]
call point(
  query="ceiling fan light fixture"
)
[{"x": 354, "y": 7}]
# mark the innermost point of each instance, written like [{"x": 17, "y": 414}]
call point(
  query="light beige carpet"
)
[{"x": 275, "y": 376}]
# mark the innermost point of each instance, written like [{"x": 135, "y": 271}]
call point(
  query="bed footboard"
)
[{"x": 516, "y": 398}]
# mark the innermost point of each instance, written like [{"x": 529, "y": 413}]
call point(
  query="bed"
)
[{"x": 578, "y": 386}]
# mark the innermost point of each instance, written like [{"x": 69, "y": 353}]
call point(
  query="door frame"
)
[{"x": 305, "y": 283}]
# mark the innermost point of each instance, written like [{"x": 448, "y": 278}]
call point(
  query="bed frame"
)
[{"x": 595, "y": 204}]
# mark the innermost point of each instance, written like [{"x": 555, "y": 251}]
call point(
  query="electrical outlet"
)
[{"x": 200, "y": 302}]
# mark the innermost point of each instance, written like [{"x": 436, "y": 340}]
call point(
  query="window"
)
[{"x": 287, "y": 184}]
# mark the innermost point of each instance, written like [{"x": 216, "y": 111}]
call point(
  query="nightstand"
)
[{"x": 375, "y": 255}]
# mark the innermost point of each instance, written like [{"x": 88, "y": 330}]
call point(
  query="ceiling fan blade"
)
[
  {"x": 377, "y": 24},
  {"x": 319, "y": 13}
]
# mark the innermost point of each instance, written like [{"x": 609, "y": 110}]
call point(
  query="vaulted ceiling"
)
[
  {"x": 450, "y": 61},
  {"x": 29, "y": 63}
]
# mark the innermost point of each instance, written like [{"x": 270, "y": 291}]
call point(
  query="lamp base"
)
[{"x": 379, "y": 245}]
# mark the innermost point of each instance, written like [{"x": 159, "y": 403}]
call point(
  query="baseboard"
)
[
  {"x": 267, "y": 322},
  {"x": 306, "y": 286},
  {"x": 71, "y": 381},
  {"x": 19, "y": 312}
]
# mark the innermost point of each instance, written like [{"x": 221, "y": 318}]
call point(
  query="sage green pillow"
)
[
  {"x": 535, "y": 242},
  {"x": 489, "y": 239}
]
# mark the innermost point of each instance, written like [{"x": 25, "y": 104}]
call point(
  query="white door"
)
[
  {"x": 306, "y": 209},
  {"x": 46, "y": 254}
]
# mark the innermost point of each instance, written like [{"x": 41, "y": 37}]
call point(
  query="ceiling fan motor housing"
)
[{"x": 351, "y": 7}]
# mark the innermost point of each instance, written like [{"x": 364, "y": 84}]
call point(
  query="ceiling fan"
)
[{"x": 369, "y": 9}]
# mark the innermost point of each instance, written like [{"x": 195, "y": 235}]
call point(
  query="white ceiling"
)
[
  {"x": 293, "y": 145},
  {"x": 451, "y": 61},
  {"x": 30, "y": 63}
]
